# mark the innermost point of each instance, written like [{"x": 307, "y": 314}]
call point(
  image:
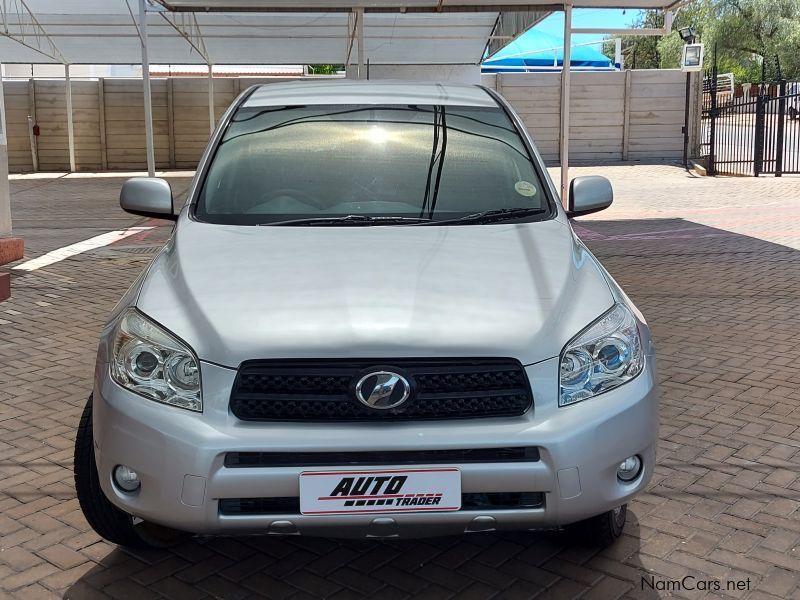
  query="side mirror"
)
[
  {"x": 147, "y": 197},
  {"x": 589, "y": 195}
]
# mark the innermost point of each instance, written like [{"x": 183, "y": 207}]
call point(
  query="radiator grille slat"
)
[
  {"x": 324, "y": 390},
  {"x": 239, "y": 460}
]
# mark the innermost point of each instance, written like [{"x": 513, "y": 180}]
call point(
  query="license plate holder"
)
[{"x": 374, "y": 491}]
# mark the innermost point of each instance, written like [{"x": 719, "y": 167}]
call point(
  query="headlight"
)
[
  {"x": 603, "y": 356},
  {"x": 151, "y": 362}
]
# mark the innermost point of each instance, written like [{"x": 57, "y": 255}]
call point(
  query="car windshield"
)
[{"x": 369, "y": 164}]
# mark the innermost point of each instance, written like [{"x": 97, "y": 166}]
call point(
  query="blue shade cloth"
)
[{"x": 527, "y": 52}]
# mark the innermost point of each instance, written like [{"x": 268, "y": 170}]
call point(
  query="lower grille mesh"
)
[{"x": 469, "y": 502}]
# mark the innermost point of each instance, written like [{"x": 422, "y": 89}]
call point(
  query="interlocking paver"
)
[{"x": 712, "y": 263}]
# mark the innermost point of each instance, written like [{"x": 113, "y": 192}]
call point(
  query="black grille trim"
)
[
  {"x": 240, "y": 460},
  {"x": 323, "y": 390},
  {"x": 474, "y": 502},
  {"x": 260, "y": 506}
]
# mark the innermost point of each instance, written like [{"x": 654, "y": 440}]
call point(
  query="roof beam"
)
[
  {"x": 402, "y": 6},
  {"x": 31, "y": 34},
  {"x": 511, "y": 25},
  {"x": 370, "y": 6},
  {"x": 190, "y": 33}
]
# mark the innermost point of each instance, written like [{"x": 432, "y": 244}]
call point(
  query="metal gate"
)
[{"x": 751, "y": 131}]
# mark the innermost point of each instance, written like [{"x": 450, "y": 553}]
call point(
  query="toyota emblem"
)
[{"x": 383, "y": 390}]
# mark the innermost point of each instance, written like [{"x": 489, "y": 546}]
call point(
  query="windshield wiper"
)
[
  {"x": 350, "y": 220},
  {"x": 489, "y": 216}
]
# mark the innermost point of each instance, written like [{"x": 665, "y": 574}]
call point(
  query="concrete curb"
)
[{"x": 11, "y": 249}]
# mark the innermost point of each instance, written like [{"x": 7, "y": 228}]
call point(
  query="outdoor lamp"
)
[{"x": 688, "y": 34}]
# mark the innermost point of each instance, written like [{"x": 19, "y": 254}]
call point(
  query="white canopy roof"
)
[
  {"x": 262, "y": 31},
  {"x": 408, "y": 5}
]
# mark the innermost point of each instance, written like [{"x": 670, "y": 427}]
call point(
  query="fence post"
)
[
  {"x": 32, "y": 122},
  {"x": 781, "y": 128},
  {"x": 73, "y": 167},
  {"x": 758, "y": 151},
  {"x": 697, "y": 115},
  {"x": 712, "y": 133}
]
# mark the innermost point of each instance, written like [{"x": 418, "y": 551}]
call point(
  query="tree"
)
[
  {"x": 764, "y": 29},
  {"x": 641, "y": 52},
  {"x": 744, "y": 32}
]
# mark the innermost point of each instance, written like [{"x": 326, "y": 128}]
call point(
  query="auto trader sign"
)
[{"x": 345, "y": 492}]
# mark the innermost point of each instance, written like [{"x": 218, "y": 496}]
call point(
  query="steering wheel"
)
[{"x": 300, "y": 195}]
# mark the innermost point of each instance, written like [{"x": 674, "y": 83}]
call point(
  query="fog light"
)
[
  {"x": 126, "y": 478},
  {"x": 629, "y": 469}
]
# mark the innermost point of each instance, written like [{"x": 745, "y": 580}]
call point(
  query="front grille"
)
[
  {"x": 290, "y": 505},
  {"x": 315, "y": 390},
  {"x": 395, "y": 457}
]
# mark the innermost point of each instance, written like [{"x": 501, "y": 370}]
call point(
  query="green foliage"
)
[
  {"x": 640, "y": 51},
  {"x": 325, "y": 69},
  {"x": 754, "y": 30},
  {"x": 744, "y": 32}
]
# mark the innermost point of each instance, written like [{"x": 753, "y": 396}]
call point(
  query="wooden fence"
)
[
  {"x": 615, "y": 115},
  {"x": 628, "y": 115},
  {"x": 108, "y": 117}
]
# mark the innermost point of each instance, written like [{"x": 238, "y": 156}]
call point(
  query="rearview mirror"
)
[
  {"x": 147, "y": 197},
  {"x": 589, "y": 195}
]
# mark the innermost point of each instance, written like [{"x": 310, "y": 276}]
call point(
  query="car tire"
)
[
  {"x": 602, "y": 530},
  {"x": 107, "y": 520}
]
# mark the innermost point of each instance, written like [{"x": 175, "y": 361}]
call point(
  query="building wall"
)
[
  {"x": 627, "y": 115},
  {"x": 614, "y": 115}
]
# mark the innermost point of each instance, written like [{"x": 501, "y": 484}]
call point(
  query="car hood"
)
[{"x": 235, "y": 293}]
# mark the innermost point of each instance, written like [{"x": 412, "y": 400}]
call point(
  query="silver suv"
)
[{"x": 373, "y": 319}]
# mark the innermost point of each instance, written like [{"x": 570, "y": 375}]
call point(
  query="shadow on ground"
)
[{"x": 501, "y": 565}]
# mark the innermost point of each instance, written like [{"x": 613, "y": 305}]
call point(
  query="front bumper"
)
[{"x": 179, "y": 456}]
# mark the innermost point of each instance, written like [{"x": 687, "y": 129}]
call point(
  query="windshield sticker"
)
[{"x": 525, "y": 188}]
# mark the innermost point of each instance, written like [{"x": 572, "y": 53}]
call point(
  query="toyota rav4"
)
[{"x": 372, "y": 319}]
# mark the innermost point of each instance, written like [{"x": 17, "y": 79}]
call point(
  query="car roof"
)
[{"x": 349, "y": 91}]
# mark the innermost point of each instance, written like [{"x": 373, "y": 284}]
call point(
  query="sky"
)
[{"x": 587, "y": 17}]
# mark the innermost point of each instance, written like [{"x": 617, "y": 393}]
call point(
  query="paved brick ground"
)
[{"x": 713, "y": 264}]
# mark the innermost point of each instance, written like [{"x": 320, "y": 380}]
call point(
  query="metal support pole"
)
[
  {"x": 5, "y": 194},
  {"x": 712, "y": 114},
  {"x": 618, "y": 53},
  {"x": 148, "y": 104},
  {"x": 70, "y": 124},
  {"x": 779, "y": 143},
  {"x": 101, "y": 121},
  {"x": 686, "y": 122},
  {"x": 362, "y": 72},
  {"x": 758, "y": 151},
  {"x": 565, "y": 81},
  {"x": 211, "y": 117}
]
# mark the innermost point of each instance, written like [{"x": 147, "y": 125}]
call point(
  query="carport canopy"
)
[
  {"x": 274, "y": 32},
  {"x": 270, "y": 31}
]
